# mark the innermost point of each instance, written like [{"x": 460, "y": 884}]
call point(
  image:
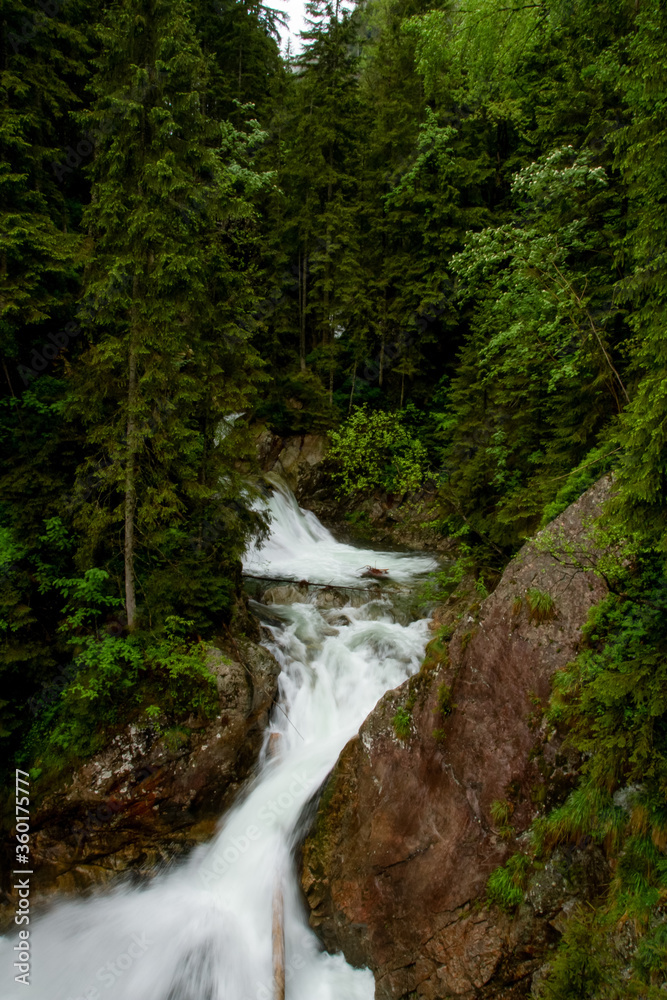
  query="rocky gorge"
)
[{"x": 409, "y": 823}]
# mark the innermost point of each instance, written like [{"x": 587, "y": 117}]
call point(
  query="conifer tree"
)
[
  {"x": 240, "y": 41},
  {"x": 169, "y": 358},
  {"x": 37, "y": 263},
  {"x": 319, "y": 171}
]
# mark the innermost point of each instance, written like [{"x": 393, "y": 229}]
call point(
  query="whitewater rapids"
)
[{"x": 202, "y": 931}]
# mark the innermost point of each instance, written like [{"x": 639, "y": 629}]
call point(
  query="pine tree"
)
[
  {"x": 38, "y": 254},
  {"x": 164, "y": 296},
  {"x": 240, "y": 41}
]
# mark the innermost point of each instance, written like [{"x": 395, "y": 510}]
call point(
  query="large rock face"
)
[
  {"x": 151, "y": 794},
  {"x": 298, "y": 459},
  {"x": 404, "y": 841}
]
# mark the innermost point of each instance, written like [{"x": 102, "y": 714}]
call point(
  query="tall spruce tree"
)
[
  {"x": 320, "y": 173},
  {"x": 165, "y": 292}
]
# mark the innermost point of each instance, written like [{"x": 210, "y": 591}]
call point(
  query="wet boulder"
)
[{"x": 288, "y": 593}]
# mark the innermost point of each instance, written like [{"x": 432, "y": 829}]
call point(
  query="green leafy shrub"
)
[
  {"x": 651, "y": 958},
  {"x": 613, "y": 702},
  {"x": 375, "y": 451},
  {"x": 112, "y": 675},
  {"x": 578, "y": 968},
  {"x": 613, "y": 696},
  {"x": 640, "y": 881},
  {"x": 444, "y": 582}
]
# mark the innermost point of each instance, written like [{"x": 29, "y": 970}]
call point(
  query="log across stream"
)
[{"x": 229, "y": 922}]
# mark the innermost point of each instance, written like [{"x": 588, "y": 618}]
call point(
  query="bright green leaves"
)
[
  {"x": 375, "y": 451},
  {"x": 480, "y": 42},
  {"x": 538, "y": 377}
]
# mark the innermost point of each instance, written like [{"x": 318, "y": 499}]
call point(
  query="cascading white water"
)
[{"x": 203, "y": 931}]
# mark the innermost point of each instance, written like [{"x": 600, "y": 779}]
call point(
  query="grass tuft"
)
[
  {"x": 401, "y": 723},
  {"x": 541, "y": 607}
]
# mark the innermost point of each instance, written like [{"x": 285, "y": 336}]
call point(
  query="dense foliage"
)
[{"x": 439, "y": 232}]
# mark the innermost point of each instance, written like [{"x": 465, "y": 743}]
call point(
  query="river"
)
[{"x": 203, "y": 930}]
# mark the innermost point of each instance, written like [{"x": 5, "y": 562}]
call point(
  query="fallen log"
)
[
  {"x": 278, "y": 942},
  {"x": 306, "y": 583}
]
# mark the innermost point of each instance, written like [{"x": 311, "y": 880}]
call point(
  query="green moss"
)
[
  {"x": 501, "y": 812},
  {"x": 445, "y": 705},
  {"x": 465, "y": 639}
]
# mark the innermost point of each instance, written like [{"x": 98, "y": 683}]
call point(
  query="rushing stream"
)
[{"x": 203, "y": 931}]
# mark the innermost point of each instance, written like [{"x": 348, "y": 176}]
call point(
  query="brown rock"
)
[
  {"x": 404, "y": 841},
  {"x": 294, "y": 458}
]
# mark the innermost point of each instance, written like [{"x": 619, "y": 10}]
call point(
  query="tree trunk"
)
[
  {"x": 131, "y": 484},
  {"x": 131, "y": 463},
  {"x": 354, "y": 380},
  {"x": 302, "y": 311}
]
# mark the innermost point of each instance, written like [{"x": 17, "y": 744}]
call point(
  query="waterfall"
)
[{"x": 203, "y": 930}]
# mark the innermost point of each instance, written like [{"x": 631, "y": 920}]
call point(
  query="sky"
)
[{"x": 296, "y": 10}]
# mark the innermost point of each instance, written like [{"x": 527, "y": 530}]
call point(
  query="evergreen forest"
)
[{"x": 437, "y": 233}]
